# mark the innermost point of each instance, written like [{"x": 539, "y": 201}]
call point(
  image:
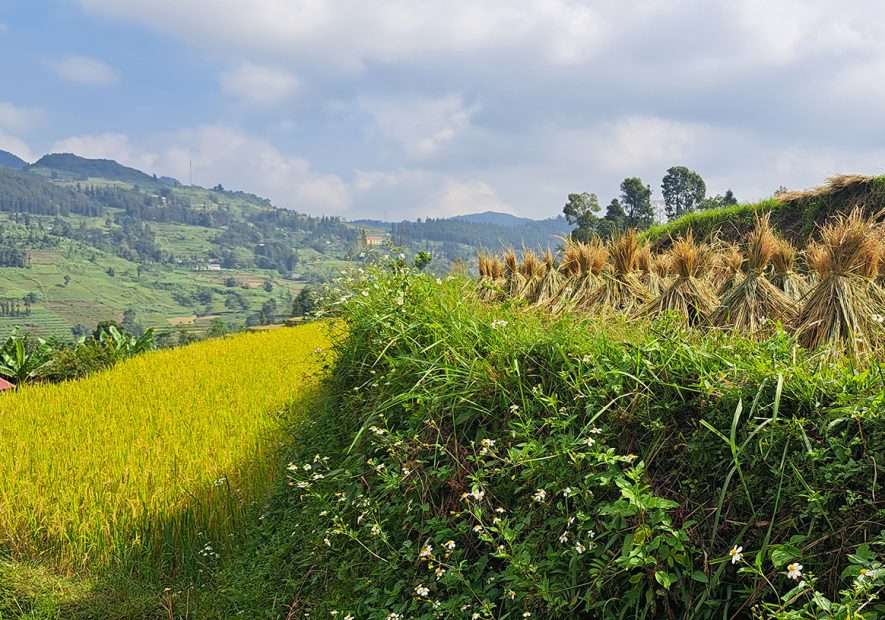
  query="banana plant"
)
[
  {"x": 122, "y": 344},
  {"x": 22, "y": 363}
]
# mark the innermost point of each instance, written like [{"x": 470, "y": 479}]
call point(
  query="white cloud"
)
[
  {"x": 420, "y": 127},
  {"x": 17, "y": 118},
  {"x": 354, "y": 34},
  {"x": 222, "y": 155},
  {"x": 114, "y": 146},
  {"x": 85, "y": 70},
  {"x": 259, "y": 84},
  {"x": 16, "y": 146}
]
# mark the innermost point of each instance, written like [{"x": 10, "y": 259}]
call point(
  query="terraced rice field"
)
[{"x": 155, "y": 459}]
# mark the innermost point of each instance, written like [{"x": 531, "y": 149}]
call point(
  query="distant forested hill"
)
[
  {"x": 81, "y": 168},
  {"x": 8, "y": 160},
  {"x": 541, "y": 233}
]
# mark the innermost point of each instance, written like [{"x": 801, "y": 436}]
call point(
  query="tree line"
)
[{"x": 684, "y": 192}]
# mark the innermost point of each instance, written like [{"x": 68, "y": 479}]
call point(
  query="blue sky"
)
[{"x": 389, "y": 108}]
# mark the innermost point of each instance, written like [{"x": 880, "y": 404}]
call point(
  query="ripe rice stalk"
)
[
  {"x": 689, "y": 295},
  {"x": 621, "y": 287},
  {"x": 785, "y": 277},
  {"x": 755, "y": 302},
  {"x": 728, "y": 271},
  {"x": 839, "y": 310}
]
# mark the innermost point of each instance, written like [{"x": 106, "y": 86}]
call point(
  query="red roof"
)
[{"x": 5, "y": 385}]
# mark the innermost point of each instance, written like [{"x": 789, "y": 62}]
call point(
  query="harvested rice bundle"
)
[
  {"x": 580, "y": 268},
  {"x": 689, "y": 295},
  {"x": 491, "y": 276},
  {"x": 513, "y": 280},
  {"x": 728, "y": 272},
  {"x": 621, "y": 287},
  {"x": 754, "y": 301},
  {"x": 649, "y": 273},
  {"x": 839, "y": 309},
  {"x": 551, "y": 283},
  {"x": 532, "y": 269},
  {"x": 785, "y": 276}
]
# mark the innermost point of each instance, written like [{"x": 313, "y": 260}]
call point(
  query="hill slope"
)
[
  {"x": 9, "y": 160},
  {"x": 796, "y": 214},
  {"x": 493, "y": 217},
  {"x": 81, "y": 168}
]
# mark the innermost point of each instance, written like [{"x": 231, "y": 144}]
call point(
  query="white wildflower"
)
[
  {"x": 422, "y": 590},
  {"x": 794, "y": 570},
  {"x": 736, "y": 554},
  {"x": 539, "y": 496},
  {"x": 450, "y": 545},
  {"x": 579, "y": 547}
]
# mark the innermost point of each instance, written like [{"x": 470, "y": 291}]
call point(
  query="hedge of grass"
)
[{"x": 491, "y": 462}]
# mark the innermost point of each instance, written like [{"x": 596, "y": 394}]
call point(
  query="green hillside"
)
[
  {"x": 86, "y": 240},
  {"x": 796, "y": 214}
]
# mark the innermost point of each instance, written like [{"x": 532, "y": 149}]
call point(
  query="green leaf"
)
[
  {"x": 664, "y": 578},
  {"x": 699, "y": 576}
]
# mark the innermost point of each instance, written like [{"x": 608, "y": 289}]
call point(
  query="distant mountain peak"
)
[
  {"x": 10, "y": 160},
  {"x": 493, "y": 217},
  {"x": 82, "y": 167}
]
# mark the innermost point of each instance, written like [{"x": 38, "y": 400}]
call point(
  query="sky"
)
[{"x": 396, "y": 109}]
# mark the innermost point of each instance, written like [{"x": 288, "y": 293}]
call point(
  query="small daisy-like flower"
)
[
  {"x": 439, "y": 280},
  {"x": 512, "y": 594},
  {"x": 567, "y": 491},
  {"x": 376, "y": 430},
  {"x": 864, "y": 574},
  {"x": 526, "y": 614},
  {"x": 580, "y": 548},
  {"x": 500, "y": 510},
  {"x": 393, "y": 616},
  {"x": 497, "y": 324},
  {"x": 365, "y": 293},
  {"x": 426, "y": 551},
  {"x": 586, "y": 359},
  {"x": 539, "y": 496},
  {"x": 307, "y": 467},
  {"x": 477, "y": 528},
  {"x": 348, "y": 617},
  {"x": 736, "y": 554},
  {"x": 630, "y": 457},
  {"x": 794, "y": 570},
  {"x": 595, "y": 431},
  {"x": 376, "y": 530},
  {"x": 478, "y": 493},
  {"x": 563, "y": 538},
  {"x": 360, "y": 518},
  {"x": 514, "y": 408},
  {"x": 422, "y": 590},
  {"x": 450, "y": 545},
  {"x": 590, "y": 441},
  {"x": 439, "y": 572}
]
